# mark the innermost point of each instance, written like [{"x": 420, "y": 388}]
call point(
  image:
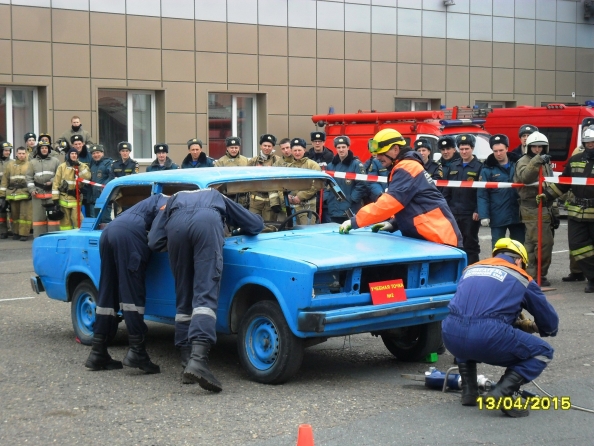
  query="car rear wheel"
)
[
  {"x": 413, "y": 343},
  {"x": 82, "y": 311},
  {"x": 268, "y": 350}
]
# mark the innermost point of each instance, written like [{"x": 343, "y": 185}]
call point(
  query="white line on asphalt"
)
[
  {"x": 17, "y": 298},
  {"x": 559, "y": 252}
]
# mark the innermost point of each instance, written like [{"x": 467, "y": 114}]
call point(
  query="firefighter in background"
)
[
  {"x": 162, "y": 161},
  {"x": 64, "y": 189},
  {"x": 125, "y": 253},
  {"x": 5, "y": 160},
  {"x": 285, "y": 147},
  {"x": 81, "y": 147},
  {"x": 13, "y": 190},
  {"x": 485, "y": 325},
  {"x": 40, "y": 177},
  {"x": 527, "y": 170},
  {"x": 423, "y": 147},
  {"x": 192, "y": 228},
  {"x": 463, "y": 200},
  {"x": 580, "y": 210},
  {"x": 374, "y": 188},
  {"x": 447, "y": 148},
  {"x": 30, "y": 144},
  {"x": 525, "y": 131},
  {"x": 125, "y": 165},
  {"x": 196, "y": 158},
  {"x": 319, "y": 153},
  {"x": 499, "y": 207},
  {"x": 303, "y": 200},
  {"x": 354, "y": 190},
  {"x": 101, "y": 173},
  {"x": 232, "y": 157},
  {"x": 412, "y": 203}
]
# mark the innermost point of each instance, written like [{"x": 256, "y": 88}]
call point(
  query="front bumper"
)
[{"x": 36, "y": 284}]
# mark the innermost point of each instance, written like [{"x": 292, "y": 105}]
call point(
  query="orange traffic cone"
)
[{"x": 305, "y": 435}]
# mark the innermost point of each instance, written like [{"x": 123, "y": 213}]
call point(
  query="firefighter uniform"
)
[
  {"x": 14, "y": 190},
  {"x": 307, "y": 198},
  {"x": 262, "y": 203},
  {"x": 5, "y": 149},
  {"x": 40, "y": 178},
  {"x": 374, "y": 189},
  {"x": 64, "y": 191},
  {"x": 120, "y": 168},
  {"x": 100, "y": 173},
  {"x": 231, "y": 161}
]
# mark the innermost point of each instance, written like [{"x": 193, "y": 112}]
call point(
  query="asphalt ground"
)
[{"x": 349, "y": 389}]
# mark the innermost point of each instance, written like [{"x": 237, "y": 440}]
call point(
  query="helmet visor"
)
[{"x": 375, "y": 146}]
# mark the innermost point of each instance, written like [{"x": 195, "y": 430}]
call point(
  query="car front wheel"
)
[
  {"x": 82, "y": 310},
  {"x": 268, "y": 350},
  {"x": 413, "y": 343}
]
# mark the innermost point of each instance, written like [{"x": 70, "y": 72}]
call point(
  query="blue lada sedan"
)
[{"x": 283, "y": 290}]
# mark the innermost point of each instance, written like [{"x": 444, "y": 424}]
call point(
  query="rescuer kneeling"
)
[{"x": 485, "y": 324}]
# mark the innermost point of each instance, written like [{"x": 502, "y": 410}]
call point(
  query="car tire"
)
[
  {"x": 268, "y": 350},
  {"x": 82, "y": 311},
  {"x": 413, "y": 343}
]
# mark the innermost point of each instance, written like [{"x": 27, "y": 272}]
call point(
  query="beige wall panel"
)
[
  {"x": 302, "y": 71},
  {"x": 69, "y": 26},
  {"x": 457, "y": 78},
  {"x": 481, "y": 54},
  {"x": 181, "y": 127},
  {"x": 503, "y": 55},
  {"x": 243, "y": 69},
  {"x": 330, "y": 44},
  {"x": 211, "y": 67},
  {"x": 458, "y": 52},
  {"x": 565, "y": 58},
  {"x": 104, "y": 83},
  {"x": 5, "y": 57},
  {"x": 273, "y": 70},
  {"x": 584, "y": 60},
  {"x": 503, "y": 80},
  {"x": 357, "y": 46},
  {"x": 524, "y": 99},
  {"x": 383, "y": 75},
  {"x": 108, "y": 29},
  {"x": 211, "y": 36},
  {"x": 382, "y": 100},
  {"x": 302, "y": 100},
  {"x": 277, "y": 99},
  {"x": 177, "y": 152},
  {"x": 278, "y": 125},
  {"x": 434, "y": 51},
  {"x": 144, "y": 32},
  {"x": 559, "y": 98},
  {"x": 544, "y": 98},
  {"x": 409, "y": 49},
  {"x": 480, "y": 79},
  {"x": 178, "y": 34},
  {"x": 357, "y": 99},
  {"x": 301, "y": 127},
  {"x": 524, "y": 81},
  {"x": 583, "y": 84},
  {"x": 152, "y": 85},
  {"x": 302, "y": 42},
  {"x": 242, "y": 38},
  {"x": 62, "y": 122},
  {"x": 383, "y": 48},
  {"x": 409, "y": 94},
  {"x": 72, "y": 93},
  {"x": 434, "y": 77},
  {"x": 357, "y": 74},
  {"x": 5, "y": 22},
  {"x": 564, "y": 83},
  {"x": 460, "y": 99},
  {"x": 545, "y": 57},
  {"x": 144, "y": 64},
  {"x": 243, "y": 88},
  {"x": 39, "y": 52},
  {"x": 484, "y": 96},
  {"x": 178, "y": 66},
  {"x": 408, "y": 76},
  {"x": 330, "y": 73},
  {"x": 545, "y": 82},
  {"x": 272, "y": 40},
  {"x": 525, "y": 56},
  {"x": 31, "y": 23},
  {"x": 330, "y": 97},
  {"x": 107, "y": 62},
  {"x": 66, "y": 65},
  {"x": 201, "y": 131},
  {"x": 180, "y": 97},
  {"x": 5, "y": 77}
]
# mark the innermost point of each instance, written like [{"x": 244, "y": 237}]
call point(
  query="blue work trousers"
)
[{"x": 517, "y": 232}]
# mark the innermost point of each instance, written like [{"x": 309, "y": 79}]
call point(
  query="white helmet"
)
[
  {"x": 537, "y": 139},
  {"x": 588, "y": 135}
]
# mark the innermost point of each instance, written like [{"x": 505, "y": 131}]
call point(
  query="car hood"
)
[{"x": 325, "y": 248}]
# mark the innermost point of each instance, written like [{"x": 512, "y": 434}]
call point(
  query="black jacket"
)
[
  {"x": 203, "y": 161},
  {"x": 324, "y": 158},
  {"x": 463, "y": 200}
]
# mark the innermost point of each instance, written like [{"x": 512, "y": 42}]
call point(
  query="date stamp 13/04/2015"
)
[{"x": 533, "y": 403}]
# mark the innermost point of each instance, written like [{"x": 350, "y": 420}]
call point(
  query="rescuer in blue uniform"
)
[
  {"x": 124, "y": 251},
  {"x": 192, "y": 228},
  {"x": 484, "y": 326},
  {"x": 374, "y": 188}
]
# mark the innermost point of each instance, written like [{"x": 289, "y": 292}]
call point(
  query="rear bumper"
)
[{"x": 36, "y": 284}]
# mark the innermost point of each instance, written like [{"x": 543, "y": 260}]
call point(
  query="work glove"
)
[
  {"x": 525, "y": 324},
  {"x": 385, "y": 226},
  {"x": 56, "y": 203},
  {"x": 345, "y": 227},
  {"x": 541, "y": 197},
  {"x": 546, "y": 159},
  {"x": 276, "y": 208},
  {"x": 485, "y": 222}
]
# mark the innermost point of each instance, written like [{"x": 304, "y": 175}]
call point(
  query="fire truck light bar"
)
[{"x": 460, "y": 122}]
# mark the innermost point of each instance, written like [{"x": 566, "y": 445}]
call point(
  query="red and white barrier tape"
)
[{"x": 92, "y": 183}]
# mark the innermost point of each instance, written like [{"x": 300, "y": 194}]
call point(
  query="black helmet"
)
[{"x": 54, "y": 213}]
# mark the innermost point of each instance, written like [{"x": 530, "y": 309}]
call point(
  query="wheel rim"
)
[
  {"x": 262, "y": 343},
  {"x": 407, "y": 341},
  {"x": 85, "y": 313}
]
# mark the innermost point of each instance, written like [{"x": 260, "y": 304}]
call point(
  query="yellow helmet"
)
[
  {"x": 507, "y": 244},
  {"x": 384, "y": 140}
]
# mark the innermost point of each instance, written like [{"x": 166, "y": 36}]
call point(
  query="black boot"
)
[
  {"x": 184, "y": 353},
  {"x": 137, "y": 357},
  {"x": 3, "y": 236},
  {"x": 509, "y": 384},
  {"x": 16, "y": 236},
  {"x": 197, "y": 369},
  {"x": 574, "y": 277},
  {"x": 470, "y": 390},
  {"x": 590, "y": 286},
  {"x": 99, "y": 359}
]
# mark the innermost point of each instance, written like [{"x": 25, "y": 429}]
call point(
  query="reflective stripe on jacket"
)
[
  {"x": 14, "y": 181},
  {"x": 65, "y": 173}
]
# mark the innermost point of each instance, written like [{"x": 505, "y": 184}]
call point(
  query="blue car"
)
[{"x": 283, "y": 290}]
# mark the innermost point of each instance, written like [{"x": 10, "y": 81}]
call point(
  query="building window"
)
[
  {"x": 19, "y": 113},
  {"x": 127, "y": 116},
  {"x": 412, "y": 105},
  {"x": 231, "y": 115},
  {"x": 490, "y": 104}
]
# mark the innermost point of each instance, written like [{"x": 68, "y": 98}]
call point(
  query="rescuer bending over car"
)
[{"x": 191, "y": 226}]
